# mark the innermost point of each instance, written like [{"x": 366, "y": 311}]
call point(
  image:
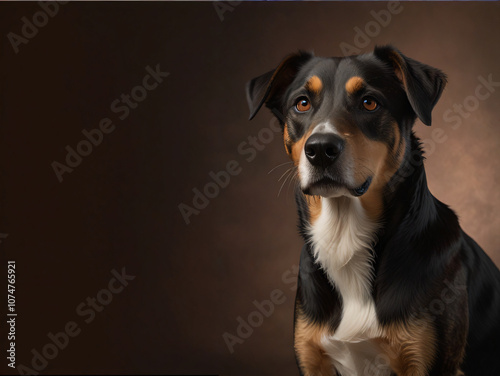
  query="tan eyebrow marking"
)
[
  {"x": 314, "y": 84},
  {"x": 354, "y": 84}
]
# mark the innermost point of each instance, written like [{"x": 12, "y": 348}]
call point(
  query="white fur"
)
[{"x": 342, "y": 240}]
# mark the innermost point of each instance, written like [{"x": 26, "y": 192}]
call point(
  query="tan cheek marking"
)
[
  {"x": 298, "y": 147},
  {"x": 286, "y": 139},
  {"x": 354, "y": 84},
  {"x": 376, "y": 158},
  {"x": 398, "y": 149},
  {"x": 412, "y": 345},
  {"x": 312, "y": 357},
  {"x": 314, "y": 84},
  {"x": 369, "y": 157},
  {"x": 314, "y": 203}
]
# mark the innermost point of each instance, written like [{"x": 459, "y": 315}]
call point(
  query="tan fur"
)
[
  {"x": 354, "y": 84},
  {"x": 314, "y": 203},
  {"x": 397, "y": 138},
  {"x": 286, "y": 139},
  {"x": 297, "y": 150},
  {"x": 399, "y": 145},
  {"x": 312, "y": 357},
  {"x": 369, "y": 159},
  {"x": 412, "y": 347},
  {"x": 376, "y": 159},
  {"x": 298, "y": 147},
  {"x": 315, "y": 85}
]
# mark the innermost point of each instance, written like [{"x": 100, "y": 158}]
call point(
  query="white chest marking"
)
[{"x": 342, "y": 238}]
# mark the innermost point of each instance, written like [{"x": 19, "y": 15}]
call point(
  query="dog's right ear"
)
[{"x": 270, "y": 87}]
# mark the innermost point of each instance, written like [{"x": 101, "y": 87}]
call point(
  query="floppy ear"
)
[
  {"x": 423, "y": 84},
  {"x": 270, "y": 87}
]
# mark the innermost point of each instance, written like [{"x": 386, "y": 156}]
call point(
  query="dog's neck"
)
[
  {"x": 408, "y": 196},
  {"x": 341, "y": 231},
  {"x": 342, "y": 239}
]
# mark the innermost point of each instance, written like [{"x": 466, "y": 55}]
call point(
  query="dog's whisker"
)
[
  {"x": 286, "y": 172},
  {"x": 282, "y": 185},
  {"x": 279, "y": 166},
  {"x": 294, "y": 179}
]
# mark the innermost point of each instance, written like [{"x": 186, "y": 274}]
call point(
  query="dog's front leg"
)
[{"x": 311, "y": 357}]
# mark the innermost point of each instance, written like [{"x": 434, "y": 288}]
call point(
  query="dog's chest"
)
[{"x": 342, "y": 237}]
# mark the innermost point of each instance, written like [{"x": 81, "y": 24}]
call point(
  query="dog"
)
[{"x": 389, "y": 283}]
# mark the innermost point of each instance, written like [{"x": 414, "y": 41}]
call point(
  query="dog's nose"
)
[{"x": 322, "y": 149}]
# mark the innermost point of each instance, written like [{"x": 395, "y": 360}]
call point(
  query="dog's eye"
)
[
  {"x": 303, "y": 104},
  {"x": 370, "y": 104}
]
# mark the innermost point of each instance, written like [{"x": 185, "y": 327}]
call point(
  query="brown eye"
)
[
  {"x": 303, "y": 105},
  {"x": 370, "y": 104}
]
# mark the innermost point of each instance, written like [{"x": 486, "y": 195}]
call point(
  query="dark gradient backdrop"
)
[{"x": 119, "y": 207}]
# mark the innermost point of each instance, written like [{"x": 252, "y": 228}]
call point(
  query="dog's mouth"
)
[
  {"x": 363, "y": 188},
  {"x": 328, "y": 187}
]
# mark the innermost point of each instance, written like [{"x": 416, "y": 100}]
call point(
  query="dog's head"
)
[{"x": 347, "y": 121}]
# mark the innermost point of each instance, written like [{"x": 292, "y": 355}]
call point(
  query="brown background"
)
[{"x": 119, "y": 207}]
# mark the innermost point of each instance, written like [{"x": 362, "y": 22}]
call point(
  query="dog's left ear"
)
[
  {"x": 423, "y": 84},
  {"x": 270, "y": 87}
]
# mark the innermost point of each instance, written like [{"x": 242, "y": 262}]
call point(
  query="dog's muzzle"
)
[{"x": 323, "y": 149}]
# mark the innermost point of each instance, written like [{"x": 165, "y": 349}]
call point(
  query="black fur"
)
[
  {"x": 316, "y": 297},
  {"x": 269, "y": 87}
]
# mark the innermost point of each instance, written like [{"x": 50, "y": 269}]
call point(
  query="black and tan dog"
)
[{"x": 389, "y": 284}]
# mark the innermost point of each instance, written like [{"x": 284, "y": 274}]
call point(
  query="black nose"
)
[{"x": 322, "y": 149}]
